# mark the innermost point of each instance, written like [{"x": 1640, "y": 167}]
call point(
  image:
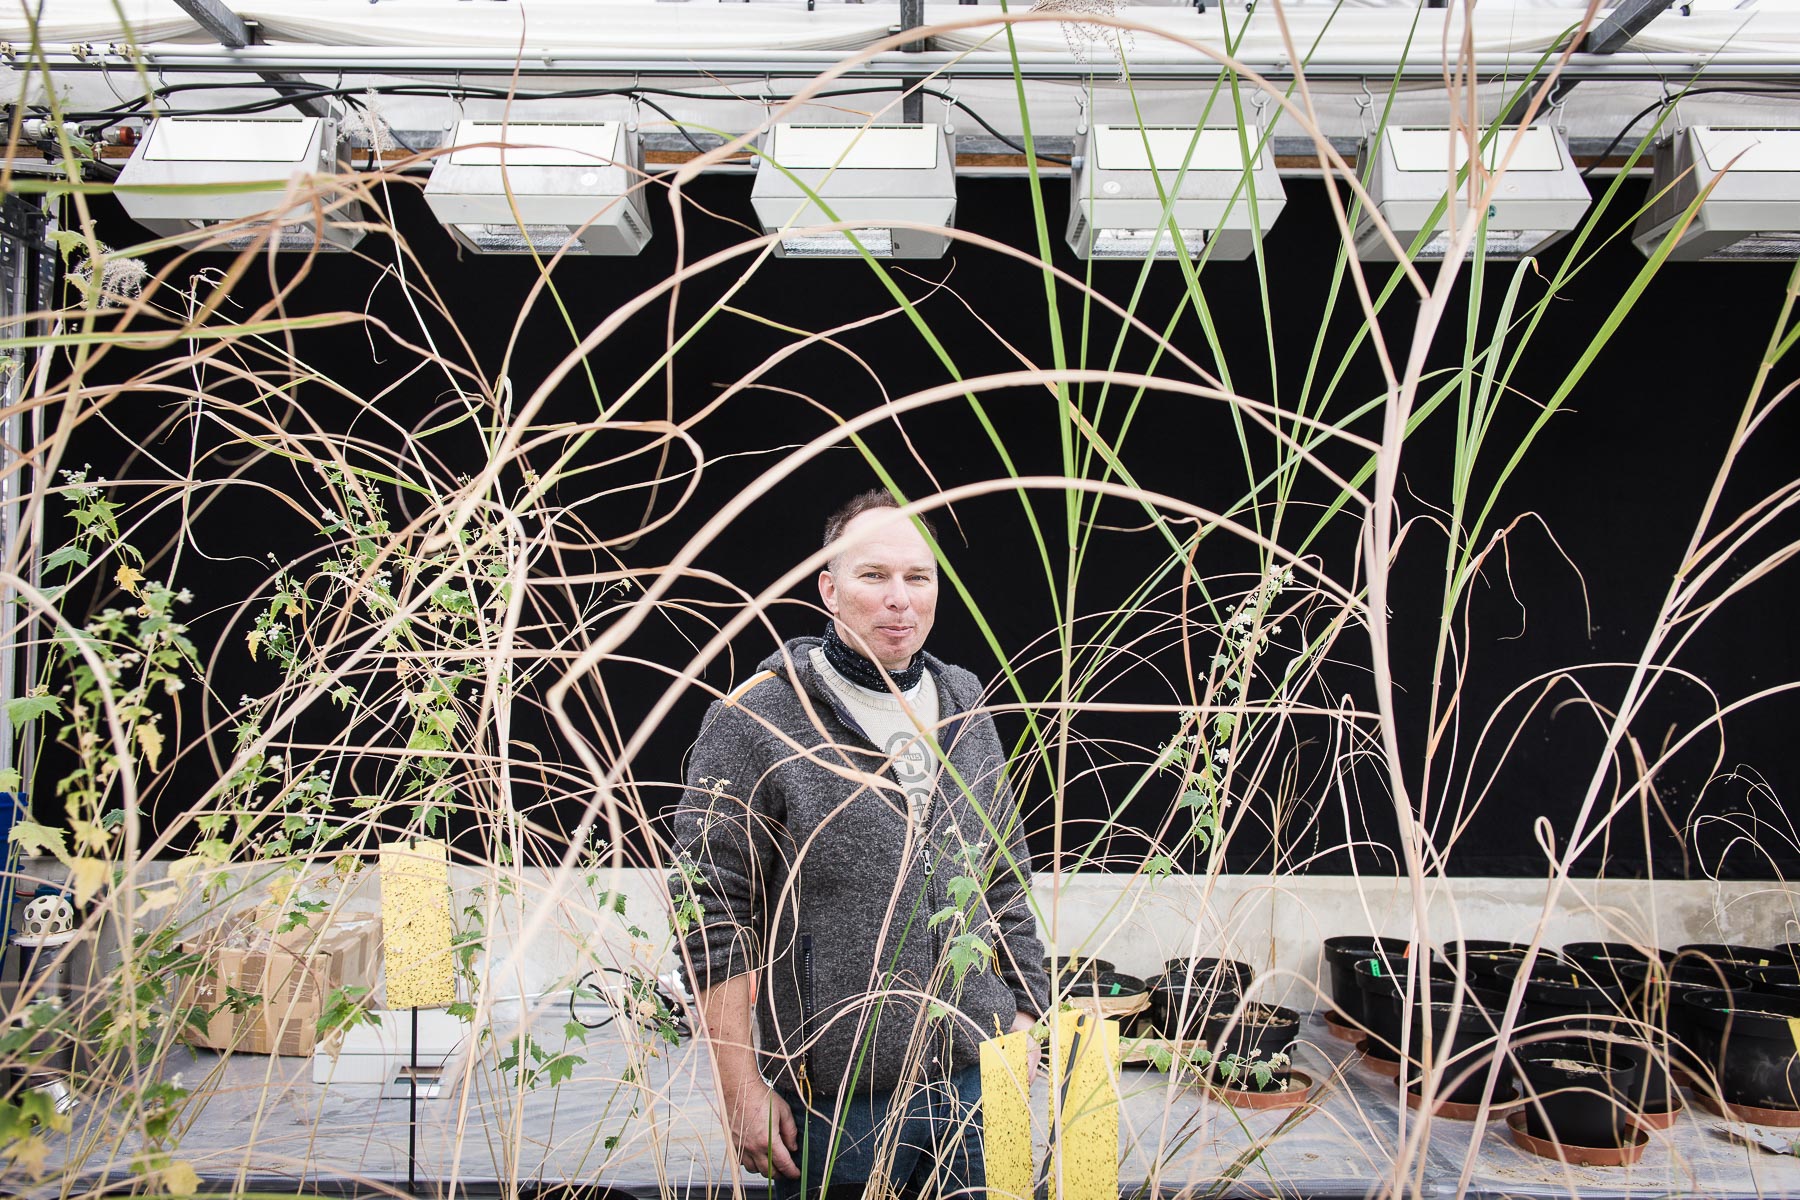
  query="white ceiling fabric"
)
[
  {"x": 66, "y": 21},
  {"x": 599, "y": 24}
]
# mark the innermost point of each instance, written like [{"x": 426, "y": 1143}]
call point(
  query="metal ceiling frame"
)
[{"x": 234, "y": 33}]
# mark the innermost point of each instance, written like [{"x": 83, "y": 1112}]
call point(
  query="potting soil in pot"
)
[{"x": 1730, "y": 957}]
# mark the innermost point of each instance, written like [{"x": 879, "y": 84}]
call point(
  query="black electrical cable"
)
[
  {"x": 673, "y": 1006},
  {"x": 1676, "y": 99},
  {"x": 293, "y": 90}
]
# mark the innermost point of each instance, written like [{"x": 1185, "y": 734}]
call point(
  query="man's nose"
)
[{"x": 897, "y": 597}]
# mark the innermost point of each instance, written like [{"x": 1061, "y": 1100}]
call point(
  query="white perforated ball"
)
[{"x": 48, "y": 915}]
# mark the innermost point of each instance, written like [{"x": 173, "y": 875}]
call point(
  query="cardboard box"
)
[{"x": 264, "y": 992}]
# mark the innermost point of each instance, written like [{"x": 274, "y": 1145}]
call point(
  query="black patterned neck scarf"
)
[{"x": 859, "y": 670}]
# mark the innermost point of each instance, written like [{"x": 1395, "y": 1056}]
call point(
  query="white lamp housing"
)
[
  {"x": 1117, "y": 211},
  {"x": 1541, "y": 197},
  {"x": 271, "y": 150},
  {"x": 1753, "y": 210},
  {"x": 573, "y": 186},
  {"x": 871, "y": 175}
]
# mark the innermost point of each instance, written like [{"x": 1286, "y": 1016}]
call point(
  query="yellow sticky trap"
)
[
  {"x": 1793, "y": 1032},
  {"x": 415, "y": 918},
  {"x": 1006, "y": 1116},
  {"x": 1085, "y": 1160}
]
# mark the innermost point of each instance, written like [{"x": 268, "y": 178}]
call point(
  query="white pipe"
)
[{"x": 392, "y": 60}]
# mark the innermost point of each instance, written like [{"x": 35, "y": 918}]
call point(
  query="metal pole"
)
[{"x": 912, "y": 108}]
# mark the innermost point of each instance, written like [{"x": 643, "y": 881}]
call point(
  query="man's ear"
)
[{"x": 828, "y": 591}]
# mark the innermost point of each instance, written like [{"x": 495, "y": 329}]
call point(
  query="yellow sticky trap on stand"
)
[
  {"x": 1006, "y": 1116},
  {"x": 1083, "y": 1051},
  {"x": 415, "y": 917}
]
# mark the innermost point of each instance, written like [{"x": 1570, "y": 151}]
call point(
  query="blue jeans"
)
[{"x": 934, "y": 1150}]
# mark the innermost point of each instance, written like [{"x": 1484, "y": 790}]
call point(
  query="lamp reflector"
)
[
  {"x": 1128, "y": 184},
  {"x": 876, "y": 176},
  {"x": 1751, "y": 213},
  {"x": 1541, "y": 197},
  {"x": 544, "y": 187},
  {"x": 277, "y": 151}
]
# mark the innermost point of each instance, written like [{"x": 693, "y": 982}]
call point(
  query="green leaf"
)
[
  {"x": 1159, "y": 866},
  {"x": 25, "y": 709},
  {"x": 966, "y": 950},
  {"x": 560, "y": 1068},
  {"x": 65, "y": 556},
  {"x": 962, "y": 889}
]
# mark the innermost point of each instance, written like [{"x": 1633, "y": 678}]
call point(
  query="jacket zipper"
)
[{"x": 806, "y": 1016}]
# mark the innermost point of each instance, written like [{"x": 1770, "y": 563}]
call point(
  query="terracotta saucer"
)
[
  {"x": 1578, "y": 1156},
  {"x": 1342, "y": 1030},
  {"x": 1380, "y": 1066},
  {"x": 1452, "y": 1111},
  {"x": 1300, "y": 1087},
  {"x": 1658, "y": 1120},
  {"x": 1781, "y": 1118}
]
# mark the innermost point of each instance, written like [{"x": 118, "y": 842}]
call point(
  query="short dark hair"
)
[{"x": 860, "y": 504}]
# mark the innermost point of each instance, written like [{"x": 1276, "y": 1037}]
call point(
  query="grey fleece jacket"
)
[{"x": 806, "y": 871}]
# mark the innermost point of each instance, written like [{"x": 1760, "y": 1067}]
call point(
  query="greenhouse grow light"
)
[
  {"x": 1540, "y": 198},
  {"x": 1752, "y": 210},
  {"x": 513, "y": 188},
  {"x": 177, "y": 153},
  {"x": 881, "y": 177},
  {"x": 1128, "y": 188}
]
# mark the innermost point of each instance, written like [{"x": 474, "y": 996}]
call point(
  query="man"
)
[{"x": 859, "y": 863}]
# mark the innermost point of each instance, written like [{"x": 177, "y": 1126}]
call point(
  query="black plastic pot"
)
[
  {"x": 1181, "y": 997},
  {"x": 1063, "y": 969},
  {"x": 1482, "y": 954},
  {"x": 1776, "y": 979},
  {"x": 1465, "y": 1046},
  {"x": 1625, "y": 950},
  {"x": 1732, "y": 958},
  {"x": 1788, "y": 952},
  {"x": 1384, "y": 987},
  {"x": 1607, "y": 961},
  {"x": 1575, "y": 1093},
  {"x": 1655, "y": 994},
  {"x": 1747, "y": 1040},
  {"x": 1563, "y": 997},
  {"x": 1222, "y": 975},
  {"x": 1250, "y": 1032},
  {"x": 1342, "y": 953},
  {"x": 1106, "y": 985}
]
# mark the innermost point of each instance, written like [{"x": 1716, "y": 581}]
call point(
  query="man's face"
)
[{"x": 882, "y": 588}]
